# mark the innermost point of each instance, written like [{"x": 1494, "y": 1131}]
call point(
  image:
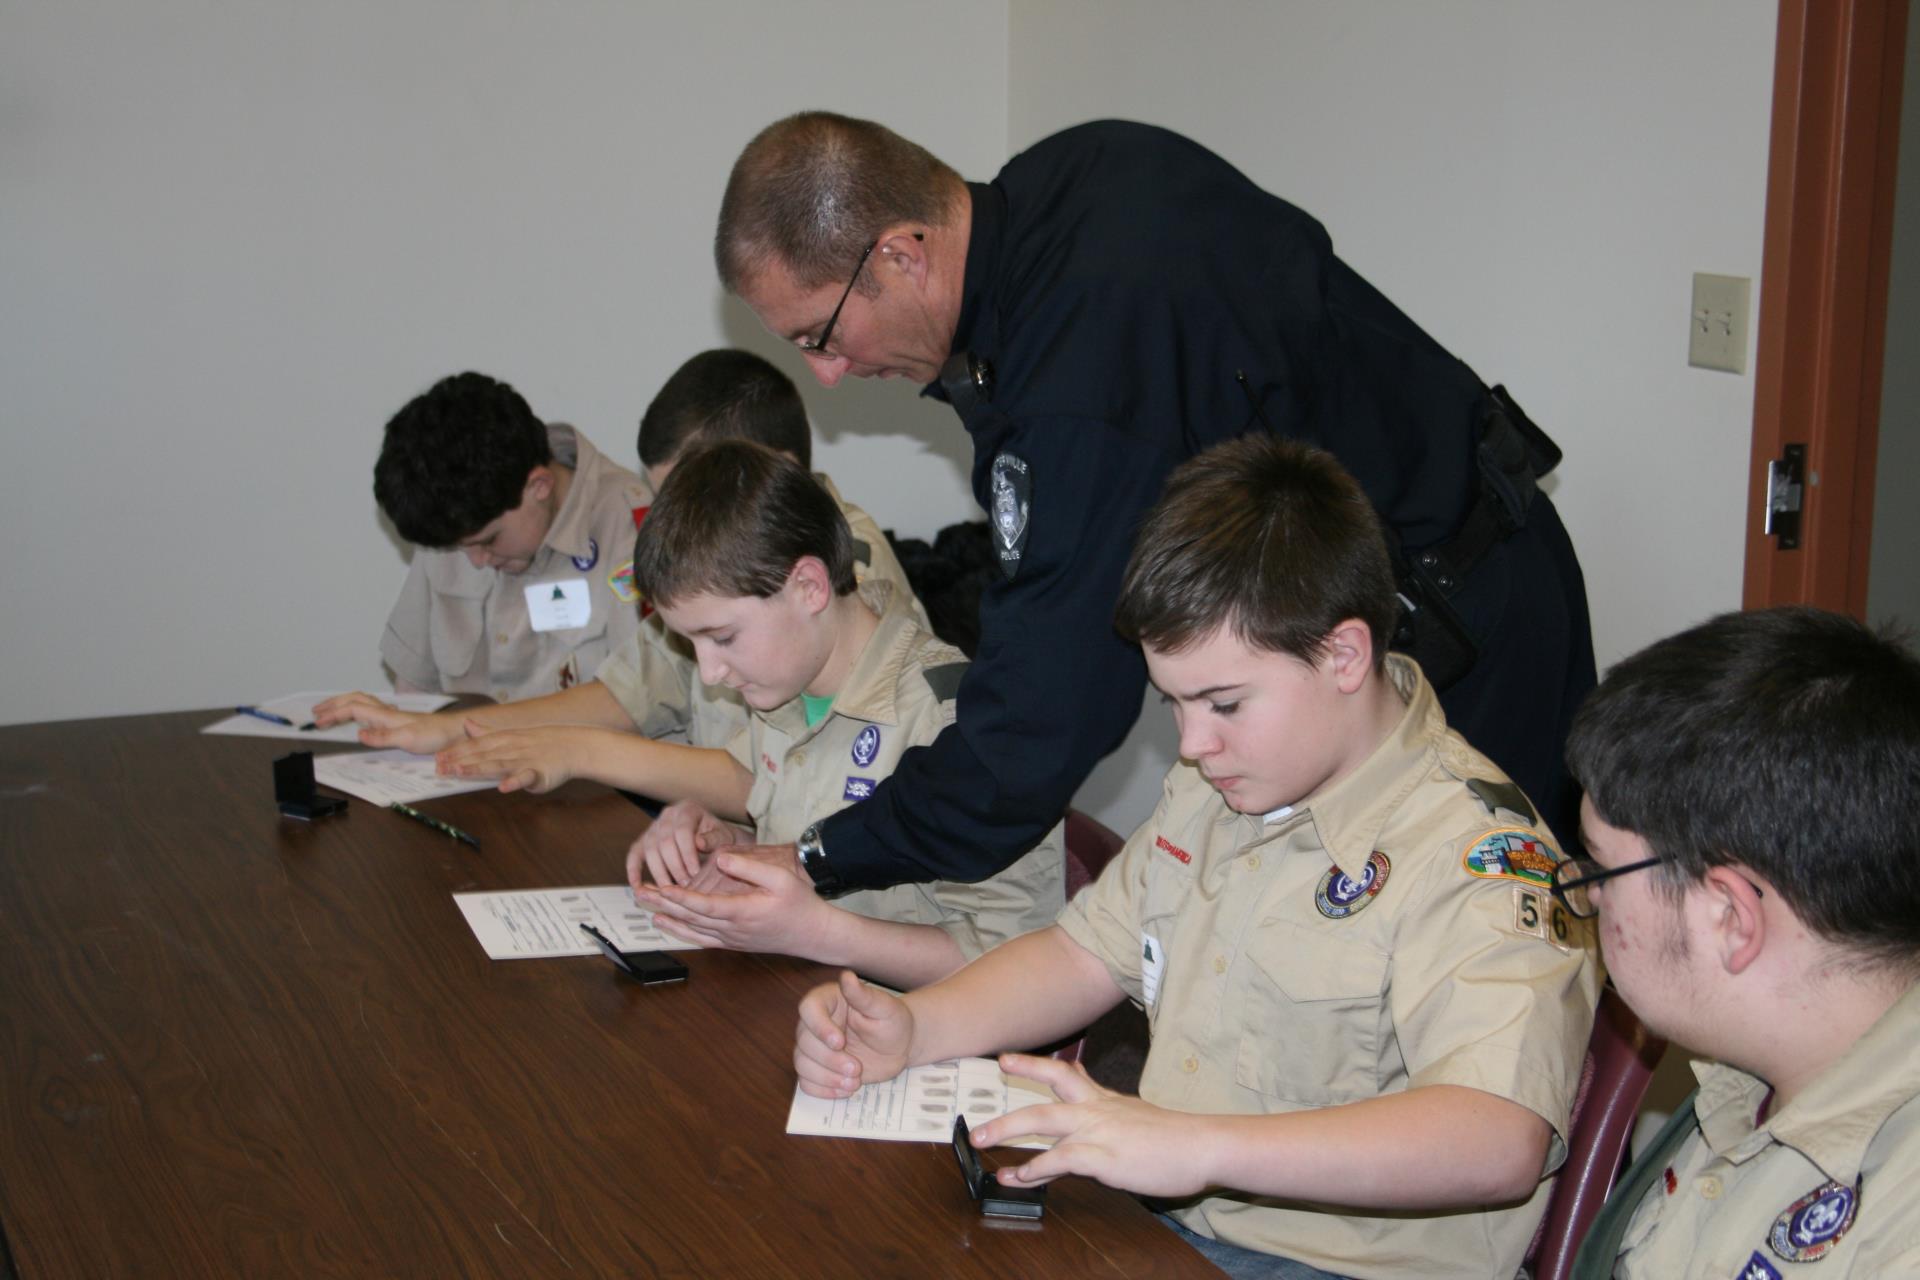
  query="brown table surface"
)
[{"x": 239, "y": 1045}]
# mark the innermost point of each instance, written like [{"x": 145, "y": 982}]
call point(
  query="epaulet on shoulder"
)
[
  {"x": 1503, "y": 795},
  {"x": 944, "y": 670}
]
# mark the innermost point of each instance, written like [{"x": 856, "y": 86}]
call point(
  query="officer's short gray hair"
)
[{"x": 812, "y": 191}]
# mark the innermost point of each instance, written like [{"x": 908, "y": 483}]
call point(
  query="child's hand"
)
[
  {"x": 1111, "y": 1137},
  {"x": 761, "y": 905},
  {"x": 383, "y": 725},
  {"x": 669, "y": 851},
  {"x": 850, "y": 1034},
  {"x": 536, "y": 760},
  {"x": 343, "y": 707}
]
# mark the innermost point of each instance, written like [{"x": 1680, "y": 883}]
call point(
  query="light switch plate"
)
[{"x": 1717, "y": 337}]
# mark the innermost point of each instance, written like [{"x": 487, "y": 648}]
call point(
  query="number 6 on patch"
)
[{"x": 1537, "y": 915}]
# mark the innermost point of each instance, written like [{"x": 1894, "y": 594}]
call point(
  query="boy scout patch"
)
[
  {"x": 1814, "y": 1223},
  {"x": 592, "y": 558},
  {"x": 621, "y": 583},
  {"x": 867, "y": 746},
  {"x": 857, "y": 788},
  {"x": 1011, "y": 494},
  {"x": 1758, "y": 1268},
  {"x": 1340, "y": 895},
  {"x": 1512, "y": 853}
]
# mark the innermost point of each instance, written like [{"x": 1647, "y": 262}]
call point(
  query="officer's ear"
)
[{"x": 902, "y": 248}]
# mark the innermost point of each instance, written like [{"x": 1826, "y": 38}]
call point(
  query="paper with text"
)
[
  {"x": 530, "y": 924},
  {"x": 919, "y": 1104},
  {"x": 387, "y": 777},
  {"x": 298, "y": 707}
]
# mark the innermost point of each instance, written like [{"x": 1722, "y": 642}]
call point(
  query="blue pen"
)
[{"x": 258, "y": 714}]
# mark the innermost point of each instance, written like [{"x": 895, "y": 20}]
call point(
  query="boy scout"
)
[
  {"x": 1367, "y": 1017},
  {"x": 749, "y": 559},
  {"x": 648, "y": 685},
  {"x": 522, "y": 585},
  {"x": 1751, "y": 817}
]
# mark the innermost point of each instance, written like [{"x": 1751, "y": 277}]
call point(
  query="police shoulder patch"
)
[
  {"x": 1010, "y": 503},
  {"x": 1512, "y": 853}
]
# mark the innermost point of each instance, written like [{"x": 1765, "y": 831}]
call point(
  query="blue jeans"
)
[{"x": 1246, "y": 1264}]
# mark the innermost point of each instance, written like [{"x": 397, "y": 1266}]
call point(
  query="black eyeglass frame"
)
[
  {"x": 1563, "y": 889},
  {"x": 817, "y": 347}
]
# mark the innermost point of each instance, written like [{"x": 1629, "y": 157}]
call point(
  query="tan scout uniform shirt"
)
[
  {"x": 899, "y": 694},
  {"x": 1365, "y": 942},
  {"x": 1834, "y": 1175},
  {"x": 657, "y": 680},
  {"x": 461, "y": 629}
]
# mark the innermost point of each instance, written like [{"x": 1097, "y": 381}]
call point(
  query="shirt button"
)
[
  {"x": 1709, "y": 1188},
  {"x": 501, "y": 638},
  {"x": 798, "y": 758},
  {"x": 1219, "y": 964},
  {"x": 1253, "y": 862},
  {"x": 500, "y": 695},
  {"x": 1191, "y": 1065}
]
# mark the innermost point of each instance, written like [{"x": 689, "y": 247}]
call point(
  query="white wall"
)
[
  {"x": 1527, "y": 181},
  {"x": 1893, "y": 586},
  {"x": 235, "y": 238}
]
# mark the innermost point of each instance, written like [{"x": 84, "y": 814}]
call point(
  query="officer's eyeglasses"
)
[
  {"x": 817, "y": 347},
  {"x": 1573, "y": 878}
]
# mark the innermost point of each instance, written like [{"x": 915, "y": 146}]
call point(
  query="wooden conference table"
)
[{"x": 238, "y": 1045}]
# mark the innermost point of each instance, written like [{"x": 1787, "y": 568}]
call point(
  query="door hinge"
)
[{"x": 1786, "y": 489}]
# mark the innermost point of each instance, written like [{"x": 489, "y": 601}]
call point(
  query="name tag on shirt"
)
[
  {"x": 559, "y": 606},
  {"x": 1153, "y": 967}
]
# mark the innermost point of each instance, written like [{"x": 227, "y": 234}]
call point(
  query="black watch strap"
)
[{"x": 813, "y": 856}]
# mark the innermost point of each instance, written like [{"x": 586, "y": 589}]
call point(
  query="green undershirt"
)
[{"x": 817, "y": 708}]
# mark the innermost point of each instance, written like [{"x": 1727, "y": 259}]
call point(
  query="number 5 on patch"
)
[{"x": 1537, "y": 915}]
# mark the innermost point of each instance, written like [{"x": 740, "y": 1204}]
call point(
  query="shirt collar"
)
[
  {"x": 1835, "y": 1118},
  {"x": 1349, "y": 815},
  {"x": 571, "y": 532},
  {"x": 869, "y": 692},
  {"x": 989, "y": 219}
]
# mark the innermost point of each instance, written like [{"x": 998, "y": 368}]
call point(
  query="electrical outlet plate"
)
[{"x": 1717, "y": 337}]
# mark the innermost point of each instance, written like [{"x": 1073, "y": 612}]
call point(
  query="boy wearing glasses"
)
[
  {"x": 1367, "y": 1016},
  {"x": 1753, "y": 817}
]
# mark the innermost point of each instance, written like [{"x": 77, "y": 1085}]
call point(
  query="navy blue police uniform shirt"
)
[{"x": 1119, "y": 280}]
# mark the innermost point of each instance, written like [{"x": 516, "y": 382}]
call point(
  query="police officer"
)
[{"x": 1118, "y": 299}]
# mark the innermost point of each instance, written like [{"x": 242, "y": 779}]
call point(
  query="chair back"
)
[
  {"x": 1090, "y": 847},
  {"x": 1621, "y": 1056}
]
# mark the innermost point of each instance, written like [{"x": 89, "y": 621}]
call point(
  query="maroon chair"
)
[
  {"x": 1621, "y": 1056},
  {"x": 1090, "y": 846}
]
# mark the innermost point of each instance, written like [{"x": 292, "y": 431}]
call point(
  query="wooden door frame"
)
[{"x": 1823, "y": 291}]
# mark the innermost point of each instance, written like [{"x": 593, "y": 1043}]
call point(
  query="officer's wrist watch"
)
[{"x": 813, "y": 856}]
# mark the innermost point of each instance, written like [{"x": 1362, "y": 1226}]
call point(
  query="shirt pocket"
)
[
  {"x": 1315, "y": 1018},
  {"x": 458, "y": 627}
]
